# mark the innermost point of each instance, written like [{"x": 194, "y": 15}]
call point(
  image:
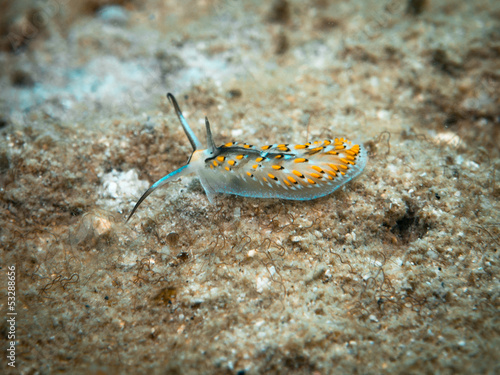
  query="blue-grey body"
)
[{"x": 297, "y": 172}]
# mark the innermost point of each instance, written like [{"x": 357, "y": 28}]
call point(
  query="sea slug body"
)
[{"x": 287, "y": 171}]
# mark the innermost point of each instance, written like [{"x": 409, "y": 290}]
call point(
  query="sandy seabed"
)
[{"x": 395, "y": 273}]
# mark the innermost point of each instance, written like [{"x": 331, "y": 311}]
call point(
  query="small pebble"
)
[{"x": 114, "y": 14}]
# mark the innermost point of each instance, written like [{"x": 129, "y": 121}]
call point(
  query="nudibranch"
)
[{"x": 287, "y": 171}]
